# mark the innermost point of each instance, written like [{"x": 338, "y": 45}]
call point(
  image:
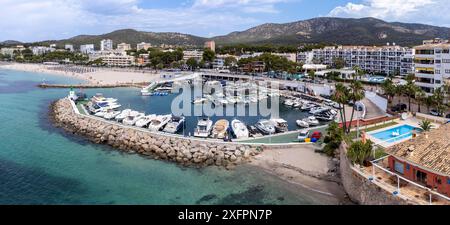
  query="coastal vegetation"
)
[
  {"x": 360, "y": 152},
  {"x": 425, "y": 125},
  {"x": 272, "y": 62}
]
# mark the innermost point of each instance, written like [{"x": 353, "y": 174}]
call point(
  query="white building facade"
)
[
  {"x": 197, "y": 55},
  {"x": 123, "y": 47},
  {"x": 143, "y": 45},
  {"x": 113, "y": 58},
  {"x": 388, "y": 60},
  {"x": 106, "y": 45},
  {"x": 40, "y": 50},
  {"x": 87, "y": 49},
  {"x": 432, "y": 65}
]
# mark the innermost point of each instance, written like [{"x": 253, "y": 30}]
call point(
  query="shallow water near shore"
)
[{"x": 40, "y": 164}]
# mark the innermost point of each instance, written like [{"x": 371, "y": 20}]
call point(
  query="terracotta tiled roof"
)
[{"x": 432, "y": 153}]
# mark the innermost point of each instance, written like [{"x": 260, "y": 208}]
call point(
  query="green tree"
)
[
  {"x": 338, "y": 62},
  {"x": 439, "y": 97},
  {"x": 192, "y": 63},
  {"x": 230, "y": 61},
  {"x": 359, "y": 152},
  {"x": 340, "y": 96},
  {"x": 333, "y": 139},
  {"x": 356, "y": 94},
  {"x": 209, "y": 55},
  {"x": 425, "y": 125},
  {"x": 409, "y": 89},
  {"x": 312, "y": 74},
  {"x": 390, "y": 90},
  {"x": 420, "y": 98}
]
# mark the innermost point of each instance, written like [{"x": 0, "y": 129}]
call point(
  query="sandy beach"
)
[
  {"x": 304, "y": 167},
  {"x": 99, "y": 76}
]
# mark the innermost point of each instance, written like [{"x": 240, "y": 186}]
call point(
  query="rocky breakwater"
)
[{"x": 187, "y": 152}]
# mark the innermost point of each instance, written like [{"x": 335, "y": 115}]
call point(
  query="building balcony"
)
[{"x": 423, "y": 84}]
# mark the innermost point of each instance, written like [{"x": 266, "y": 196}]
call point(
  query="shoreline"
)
[
  {"x": 100, "y": 76},
  {"x": 314, "y": 176}
]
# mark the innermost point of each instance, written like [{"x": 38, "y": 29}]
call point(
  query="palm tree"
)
[
  {"x": 341, "y": 97},
  {"x": 420, "y": 98},
  {"x": 359, "y": 72},
  {"x": 426, "y": 125},
  {"x": 390, "y": 90},
  {"x": 410, "y": 89},
  {"x": 429, "y": 101},
  {"x": 356, "y": 94},
  {"x": 438, "y": 100}
]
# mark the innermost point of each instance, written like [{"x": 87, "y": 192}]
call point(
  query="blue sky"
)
[{"x": 32, "y": 20}]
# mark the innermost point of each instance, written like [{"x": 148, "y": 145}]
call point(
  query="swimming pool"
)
[{"x": 395, "y": 134}]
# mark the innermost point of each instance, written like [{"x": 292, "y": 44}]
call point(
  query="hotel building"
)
[
  {"x": 87, "y": 49},
  {"x": 69, "y": 47},
  {"x": 143, "y": 45},
  {"x": 123, "y": 47},
  {"x": 432, "y": 64},
  {"x": 198, "y": 55},
  {"x": 106, "y": 45},
  {"x": 388, "y": 60},
  {"x": 40, "y": 50},
  {"x": 211, "y": 45},
  {"x": 113, "y": 58}
]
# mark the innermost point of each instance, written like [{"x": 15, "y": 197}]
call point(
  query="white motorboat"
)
[
  {"x": 312, "y": 121},
  {"x": 288, "y": 102},
  {"x": 220, "y": 129},
  {"x": 199, "y": 100},
  {"x": 231, "y": 100},
  {"x": 101, "y": 113},
  {"x": 111, "y": 114},
  {"x": 123, "y": 115},
  {"x": 145, "y": 92},
  {"x": 159, "y": 122},
  {"x": 239, "y": 129},
  {"x": 265, "y": 126},
  {"x": 132, "y": 118},
  {"x": 175, "y": 124},
  {"x": 297, "y": 104},
  {"x": 144, "y": 121},
  {"x": 204, "y": 127},
  {"x": 99, "y": 98},
  {"x": 280, "y": 125},
  {"x": 317, "y": 110},
  {"x": 308, "y": 106},
  {"x": 95, "y": 108},
  {"x": 302, "y": 123}
]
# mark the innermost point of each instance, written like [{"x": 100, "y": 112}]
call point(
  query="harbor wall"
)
[
  {"x": 184, "y": 151},
  {"x": 360, "y": 189}
]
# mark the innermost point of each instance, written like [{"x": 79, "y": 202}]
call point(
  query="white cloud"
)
[
  {"x": 423, "y": 11},
  {"x": 31, "y": 20}
]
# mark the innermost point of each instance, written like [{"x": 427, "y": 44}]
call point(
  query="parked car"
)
[
  {"x": 434, "y": 112},
  {"x": 303, "y": 135},
  {"x": 317, "y": 135},
  {"x": 399, "y": 107}
]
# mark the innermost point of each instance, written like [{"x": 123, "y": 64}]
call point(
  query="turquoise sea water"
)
[{"x": 40, "y": 164}]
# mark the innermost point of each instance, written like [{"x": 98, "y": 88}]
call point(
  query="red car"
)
[{"x": 317, "y": 135}]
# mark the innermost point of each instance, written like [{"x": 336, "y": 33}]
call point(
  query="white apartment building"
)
[
  {"x": 432, "y": 65},
  {"x": 40, "y": 50},
  {"x": 143, "y": 45},
  {"x": 198, "y": 55},
  {"x": 69, "y": 47},
  {"x": 390, "y": 59},
  {"x": 106, "y": 45},
  {"x": 87, "y": 49},
  {"x": 122, "y": 47},
  {"x": 112, "y": 58},
  {"x": 10, "y": 51}
]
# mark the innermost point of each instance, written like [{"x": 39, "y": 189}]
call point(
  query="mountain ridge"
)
[{"x": 332, "y": 30}]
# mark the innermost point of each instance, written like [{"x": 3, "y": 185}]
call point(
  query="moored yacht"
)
[
  {"x": 111, "y": 114},
  {"x": 280, "y": 125},
  {"x": 175, "y": 124},
  {"x": 302, "y": 123},
  {"x": 239, "y": 129},
  {"x": 132, "y": 118},
  {"x": 145, "y": 120},
  {"x": 312, "y": 121},
  {"x": 204, "y": 127},
  {"x": 123, "y": 115},
  {"x": 159, "y": 122},
  {"x": 265, "y": 126},
  {"x": 220, "y": 129}
]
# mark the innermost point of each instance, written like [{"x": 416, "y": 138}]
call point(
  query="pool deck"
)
[{"x": 414, "y": 122}]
